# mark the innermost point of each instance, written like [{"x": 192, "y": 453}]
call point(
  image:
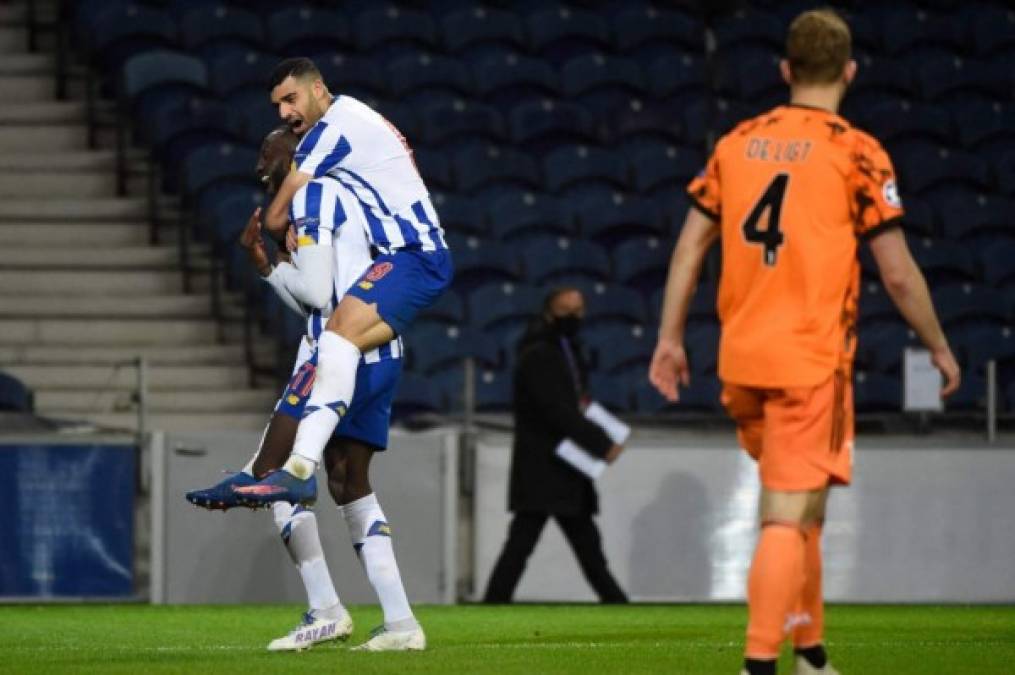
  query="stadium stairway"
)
[{"x": 82, "y": 292}]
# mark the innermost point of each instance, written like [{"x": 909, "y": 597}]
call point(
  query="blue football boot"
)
[
  {"x": 279, "y": 486},
  {"x": 221, "y": 496}
]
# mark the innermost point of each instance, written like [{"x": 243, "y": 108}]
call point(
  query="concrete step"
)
[
  {"x": 106, "y": 236},
  {"x": 105, "y": 210},
  {"x": 121, "y": 332},
  {"x": 112, "y": 377},
  {"x": 56, "y": 257},
  {"x": 106, "y": 307},
  {"x": 204, "y": 401},
  {"x": 71, "y": 160},
  {"x": 42, "y": 138},
  {"x": 13, "y": 39},
  {"x": 27, "y": 63},
  {"x": 90, "y": 283},
  {"x": 196, "y": 354},
  {"x": 178, "y": 422},
  {"x": 36, "y": 184}
]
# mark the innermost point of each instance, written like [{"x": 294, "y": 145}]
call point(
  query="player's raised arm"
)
[
  {"x": 669, "y": 362},
  {"x": 908, "y": 289},
  {"x": 276, "y": 218}
]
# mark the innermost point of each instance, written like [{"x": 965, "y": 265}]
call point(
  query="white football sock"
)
[
  {"x": 249, "y": 468},
  {"x": 371, "y": 537},
  {"x": 334, "y": 384},
  {"x": 298, "y": 528}
]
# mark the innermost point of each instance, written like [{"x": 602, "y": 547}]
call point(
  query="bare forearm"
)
[
  {"x": 685, "y": 267},
  {"x": 912, "y": 298}
]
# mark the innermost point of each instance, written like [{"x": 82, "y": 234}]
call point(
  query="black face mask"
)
[{"x": 568, "y": 326}]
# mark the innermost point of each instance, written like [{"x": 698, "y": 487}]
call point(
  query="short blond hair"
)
[{"x": 818, "y": 46}]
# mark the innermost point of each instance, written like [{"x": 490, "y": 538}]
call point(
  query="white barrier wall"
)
[
  {"x": 678, "y": 520},
  {"x": 213, "y": 557}
]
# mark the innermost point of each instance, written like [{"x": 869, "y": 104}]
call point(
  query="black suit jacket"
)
[{"x": 546, "y": 410}]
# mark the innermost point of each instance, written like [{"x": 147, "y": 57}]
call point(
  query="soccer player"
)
[
  {"x": 346, "y": 140},
  {"x": 788, "y": 194},
  {"x": 331, "y": 252}
]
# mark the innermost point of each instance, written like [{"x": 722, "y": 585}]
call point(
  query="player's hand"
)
[
  {"x": 944, "y": 361},
  {"x": 669, "y": 369},
  {"x": 291, "y": 240},
  {"x": 251, "y": 234},
  {"x": 613, "y": 453}
]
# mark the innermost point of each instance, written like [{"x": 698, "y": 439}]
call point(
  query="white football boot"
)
[
  {"x": 804, "y": 668},
  {"x": 313, "y": 630},
  {"x": 383, "y": 640}
]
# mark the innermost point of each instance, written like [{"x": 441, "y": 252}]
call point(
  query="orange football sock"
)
[
  {"x": 811, "y": 608},
  {"x": 773, "y": 588}
]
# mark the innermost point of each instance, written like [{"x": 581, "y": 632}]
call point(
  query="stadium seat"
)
[
  {"x": 493, "y": 391},
  {"x": 479, "y": 262},
  {"x": 966, "y": 213},
  {"x": 573, "y": 166},
  {"x": 677, "y": 77},
  {"x": 218, "y": 26},
  {"x": 972, "y": 393},
  {"x": 344, "y": 73},
  {"x": 614, "y": 349},
  {"x": 393, "y": 28},
  {"x": 434, "y": 167},
  {"x": 609, "y": 217},
  {"x": 459, "y": 213},
  {"x": 159, "y": 78},
  {"x": 920, "y": 217},
  {"x": 988, "y": 127},
  {"x": 880, "y": 345},
  {"x": 429, "y": 73},
  {"x": 943, "y": 261},
  {"x": 641, "y": 28},
  {"x": 958, "y": 303},
  {"x": 449, "y": 308},
  {"x": 508, "y": 78},
  {"x": 461, "y": 119},
  {"x": 750, "y": 74},
  {"x": 876, "y": 392},
  {"x": 953, "y": 76},
  {"x": 561, "y": 33},
  {"x": 523, "y": 214},
  {"x": 415, "y": 395},
  {"x": 998, "y": 262},
  {"x": 550, "y": 260},
  {"x": 923, "y": 166},
  {"x": 120, "y": 31},
  {"x": 904, "y": 28},
  {"x": 977, "y": 343},
  {"x": 403, "y": 117},
  {"x": 433, "y": 348},
  {"x": 476, "y": 28},
  {"x": 14, "y": 395},
  {"x": 749, "y": 28},
  {"x": 544, "y": 125},
  {"x": 702, "y": 396},
  {"x": 496, "y": 307},
  {"x": 992, "y": 31},
  {"x": 701, "y": 340},
  {"x": 666, "y": 167},
  {"x": 602, "y": 83},
  {"x": 875, "y": 303},
  {"x": 216, "y": 163},
  {"x": 181, "y": 126},
  {"x": 240, "y": 69},
  {"x": 611, "y": 391},
  {"x": 610, "y": 304},
  {"x": 642, "y": 263},
  {"x": 302, "y": 30},
  {"x": 898, "y": 119},
  {"x": 482, "y": 166},
  {"x": 881, "y": 77},
  {"x": 640, "y": 123}
]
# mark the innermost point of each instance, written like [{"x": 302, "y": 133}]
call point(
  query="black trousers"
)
[{"x": 583, "y": 536}]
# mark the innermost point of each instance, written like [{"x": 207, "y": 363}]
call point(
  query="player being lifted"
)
[
  {"x": 788, "y": 193},
  {"x": 346, "y": 140},
  {"x": 331, "y": 253}
]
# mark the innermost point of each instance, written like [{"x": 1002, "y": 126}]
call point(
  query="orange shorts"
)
[{"x": 801, "y": 437}]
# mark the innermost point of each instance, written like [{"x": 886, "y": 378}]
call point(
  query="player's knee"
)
[
  {"x": 336, "y": 484},
  {"x": 789, "y": 508}
]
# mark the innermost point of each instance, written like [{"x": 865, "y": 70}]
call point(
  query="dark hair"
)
[
  {"x": 555, "y": 293},
  {"x": 299, "y": 66}
]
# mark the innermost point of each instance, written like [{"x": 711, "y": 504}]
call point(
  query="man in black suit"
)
[{"x": 550, "y": 394}]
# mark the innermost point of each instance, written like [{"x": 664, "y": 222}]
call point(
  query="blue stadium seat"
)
[
  {"x": 216, "y": 164},
  {"x": 477, "y": 28},
  {"x": 403, "y": 117},
  {"x": 920, "y": 217},
  {"x": 434, "y": 348},
  {"x": 561, "y": 33},
  {"x": 158, "y": 78},
  {"x": 548, "y": 260},
  {"x": 478, "y": 167},
  {"x": 428, "y": 72},
  {"x": 602, "y": 83},
  {"x": 298, "y": 31},
  {"x": 434, "y": 167},
  {"x": 479, "y": 262},
  {"x": 892, "y": 120},
  {"x": 571, "y": 166},
  {"x": 1004, "y": 167},
  {"x": 449, "y": 308},
  {"x": 904, "y": 28},
  {"x": 497, "y": 307},
  {"x": 615, "y": 349},
  {"x": 640, "y": 124},
  {"x": 875, "y": 303},
  {"x": 978, "y": 343},
  {"x": 14, "y": 395},
  {"x": 701, "y": 397},
  {"x": 880, "y": 77},
  {"x": 177, "y": 128},
  {"x": 461, "y": 119},
  {"x": 992, "y": 31},
  {"x": 610, "y": 217},
  {"x": 965, "y": 213},
  {"x": 393, "y": 27},
  {"x": 508, "y": 78},
  {"x": 750, "y": 74},
  {"x": 986, "y": 127},
  {"x": 228, "y": 215},
  {"x": 877, "y": 392},
  {"x": 494, "y": 392},
  {"x": 668, "y": 167},
  {"x": 923, "y": 167},
  {"x": 642, "y": 262},
  {"x": 523, "y": 214},
  {"x": 544, "y": 125},
  {"x": 750, "y": 28},
  {"x": 459, "y": 213},
  {"x": 972, "y": 393},
  {"x": 610, "y": 304},
  {"x": 677, "y": 77},
  {"x": 640, "y": 28},
  {"x": 703, "y": 303},
  {"x": 998, "y": 262},
  {"x": 701, "y": 340},
  {"x": 612, "y": 391},
  {"x": 962, "y": 303},
  {"x": 880, "y": 345},
  {"x": 120, "y": 31},
  {"x": 258, "y": 114},
  {"x": 415, "y": 395},
  {"x": 952, "y": 76},
  {"x": 344, "y": 73},
  {"x": 943, "y": 261},
  {"x": 241, "y": 69},
  {"x": 220, "y": 23}
]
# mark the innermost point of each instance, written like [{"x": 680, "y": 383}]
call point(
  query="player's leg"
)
[
  {"x": 808, "y": 634},
  {"x": 523, "y": 534},
  {"x": 583, "y": 536}
]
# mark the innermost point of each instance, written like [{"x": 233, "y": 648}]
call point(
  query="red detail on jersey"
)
[{"x": 378, "y": 271}]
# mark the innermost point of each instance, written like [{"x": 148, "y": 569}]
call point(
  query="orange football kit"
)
[{"x": 793, "y": 190}]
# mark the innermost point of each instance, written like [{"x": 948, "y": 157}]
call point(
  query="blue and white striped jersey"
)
[
  {"x": 365, "y": 153},
  {"x": 324, "y": 213}
]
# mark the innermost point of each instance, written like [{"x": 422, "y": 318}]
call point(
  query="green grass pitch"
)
[{"x": 523, "y": 639}]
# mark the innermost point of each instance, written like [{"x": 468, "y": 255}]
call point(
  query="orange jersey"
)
[{"x": 793, "y": 189}]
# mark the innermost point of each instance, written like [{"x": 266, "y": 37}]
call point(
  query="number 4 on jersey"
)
[{"x": 771, "y": 237}]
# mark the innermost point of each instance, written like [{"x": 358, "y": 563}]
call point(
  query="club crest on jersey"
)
[
  {"x": 890, "y": 192},
  {"x": 378, "y": 271},
  {"x": 365, "y": 285}
]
